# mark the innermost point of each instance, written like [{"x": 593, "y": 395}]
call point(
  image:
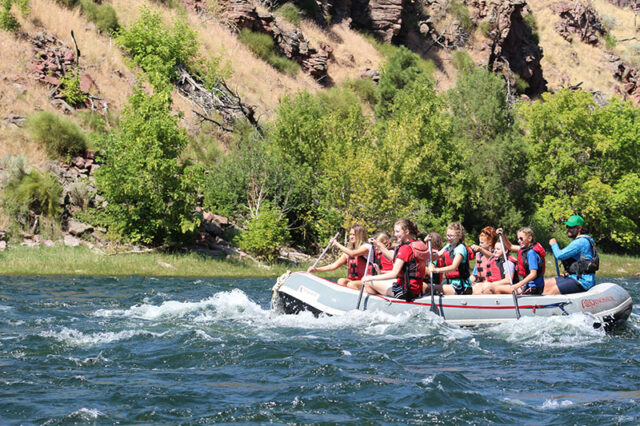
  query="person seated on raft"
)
[
  {"x": 382, "y": 263},
  {"x": 483, "y": 251},
  {"x": 354, "y": 256},
  {"x": 530, "y": 264},
  {"x": 456, "y": 260},
  {"x": 436, "y": 246},
  {"x": 580, "y": 260},
  {"x": 408, "y": 270},
  {"x": 497, "y": 272}
]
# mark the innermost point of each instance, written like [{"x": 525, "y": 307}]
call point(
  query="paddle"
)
[
  {"x": 325, "y": 249},
  {"x": 434, "y": 308},
  {"x": 366, "y": 270},
  {"x": 513, "y": 292}
]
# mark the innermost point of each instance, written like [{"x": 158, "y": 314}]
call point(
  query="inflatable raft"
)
[{"x": 608, "y": 303}]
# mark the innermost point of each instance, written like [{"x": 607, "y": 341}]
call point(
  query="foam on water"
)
[
  {"x": 229, "y": 304},
  {"x": 77, "y": 338},
  {"x": 562, "y": 331},
  {"x": 552, "y": 404}
]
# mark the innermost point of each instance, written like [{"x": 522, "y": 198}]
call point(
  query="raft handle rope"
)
[{"x": 274, "y": 306}]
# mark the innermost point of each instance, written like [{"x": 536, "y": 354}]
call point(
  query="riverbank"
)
[{"x": 83, "y": 261}]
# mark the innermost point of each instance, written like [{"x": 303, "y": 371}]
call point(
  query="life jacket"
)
[
  {"x": 357, "y": 266},
  {"x": 463, "y": 269},
  {"x": 582, "y": 265},
  {"x": 522, "y": 266},
  {"x": 495, "y": 268},
  {"x": 414, "y": 270},
  {"x": 482, "y": 267},
  {"x": 383, "y": 263}
]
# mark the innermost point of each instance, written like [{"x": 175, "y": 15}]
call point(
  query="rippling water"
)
[{"x": 145, "y": 350}]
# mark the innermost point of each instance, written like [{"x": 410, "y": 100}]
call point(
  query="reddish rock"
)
[
  {"x": 90, "y": 154},
  {"x": 51, "y": 80}
]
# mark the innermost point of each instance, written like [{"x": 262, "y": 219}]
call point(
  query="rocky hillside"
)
[{"x": 537, "y": 45}]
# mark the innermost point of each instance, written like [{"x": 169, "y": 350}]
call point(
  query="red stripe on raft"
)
[{"x": 459, "y": 306}]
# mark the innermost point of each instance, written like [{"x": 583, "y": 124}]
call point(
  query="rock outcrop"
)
[
  {"x": 628, "y": 76},
  {"x": 291, "y": 43},
  {"x": 578, "y": 19},
  {"x": 632, "y": 4},
  {"x": 514, "y": 51},
  {"x": 52, "y": 61}
]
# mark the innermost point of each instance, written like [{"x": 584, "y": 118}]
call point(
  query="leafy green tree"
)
[
  {"x": 493, "y": 167},
  {"x": 151, "y": 195},
  {"x": 265, "y": 233},
  {"x": 158, "y": 49},
  {"x": 403, "y": 68},
  {"x": 584, "y": 160}
]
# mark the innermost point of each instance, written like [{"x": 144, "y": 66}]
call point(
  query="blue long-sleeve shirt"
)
[{"x": 577, "y": 247}]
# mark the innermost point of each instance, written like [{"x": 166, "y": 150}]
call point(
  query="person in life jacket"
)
[
  {"x": 409, "y": 265},
  {"x": 354, "y": 256},
  {"x": 498, "y": 271},
  {"x": 580, "y": 260},
  {"x": 456, "y": 257},
  {"x": 529, "y": 266},
  {"x": 381, "y": 263},
  {"x": 484, "y": 252},
  {"x": 437, "y": 261}
]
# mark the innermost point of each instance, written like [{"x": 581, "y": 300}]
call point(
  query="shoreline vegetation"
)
[{"x": 76, "y": 261}]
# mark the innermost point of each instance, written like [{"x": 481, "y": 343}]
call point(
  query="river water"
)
[{"x": 156, "y": 350}]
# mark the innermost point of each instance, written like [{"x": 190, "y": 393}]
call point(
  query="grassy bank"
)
[{"x": 82, "y": 261}]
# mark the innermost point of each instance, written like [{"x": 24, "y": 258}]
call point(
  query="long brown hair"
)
[
  {"x": 360, "y": 234},
  {"x": 407, "y": 225}
]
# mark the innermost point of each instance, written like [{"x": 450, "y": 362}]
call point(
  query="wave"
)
[
  {"x": 77, "y": 338},
  {"x": 226, "y": 305},
  {"x": 574, "y": 330}
]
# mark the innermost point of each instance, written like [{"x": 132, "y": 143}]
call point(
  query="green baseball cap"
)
[{"x": 575, "y": 220}]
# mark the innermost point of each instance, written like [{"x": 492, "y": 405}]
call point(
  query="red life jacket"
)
[
  {"x": 522, "y": 267},
  {"x": 414, "y": 270},
  {"x": 357, "y": 266},
  {"x": 482, "y": 267},
  {"x": 495, "y": 268},
  {"x": 383, "y": 263},
  {"x": 463, "y": 269}
]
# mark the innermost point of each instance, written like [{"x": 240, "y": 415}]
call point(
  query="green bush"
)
[
  {"x": 484, "y": 28},
  {"x": 461, "y": 13},
  {"x": 8, "y": 22},
  {"x": 12, "y": 167},
  {"x": 364, "y": 88},
  {"x": 402, "y": 68},
  {"x": 103, "y": 15},
  {"x": 68, "y": 3},
  {"x": 265, "y": 233},
  {"x": 263, "y": 46},
  {"x": 59, "y": 136},
  {"x": 157, "y": 49},
  {"x": 532, "y": 23},
  {"x": 70, "y": 89},
  {"x": 521, "y": 84},
  {"x": 462, "y": 62},
  {"x": 290, "y": 12},
  {"x": 34, "y": 192},
  {"x": 610, "y": 41},
  {"x": 151, "y": 195}
]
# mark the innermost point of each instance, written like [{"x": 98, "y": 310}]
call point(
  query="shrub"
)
[
  {"x": 70, "y": 89},
  {"x": 265, "y": 233},
  {"x": 13, "y": 168},
  {"x": 157, "y": 49},
  {"x": 103, "y": 15},
  {"x": 35, "y": 192},
  {"x": 60, "y": 136},
  {"x": 462, "y": 62},
  {"x": 364, "y": 88},
  {"x": 521, "y": 84},
  {"x": 532, "y": 23},
  {"x": 214, "y": 72},
  {"x": 8, "y": 22},
  {"x": 461, "y": 13},
  {"x": 263, "y": 46},
  {"x": 610, "y": 41},
  {"x": 80, "y": 194},
  {"x": 290, "y": 12},
  {"x": 485, "y": 27},
  {"x": 402, "y": 68},
  {"x": 150, "y": 194}
]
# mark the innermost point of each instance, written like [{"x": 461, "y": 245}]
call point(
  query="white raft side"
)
[{"x": 328, "y": 297}]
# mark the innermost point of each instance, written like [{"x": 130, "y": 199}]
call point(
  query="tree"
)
[{"x": 151, "y": 195}]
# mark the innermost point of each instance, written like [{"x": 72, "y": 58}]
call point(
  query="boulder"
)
[
  {"x": 3, "y": 245},
  {"x": 77, "y": 228},
  {"x": 71, "y": 241}
]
